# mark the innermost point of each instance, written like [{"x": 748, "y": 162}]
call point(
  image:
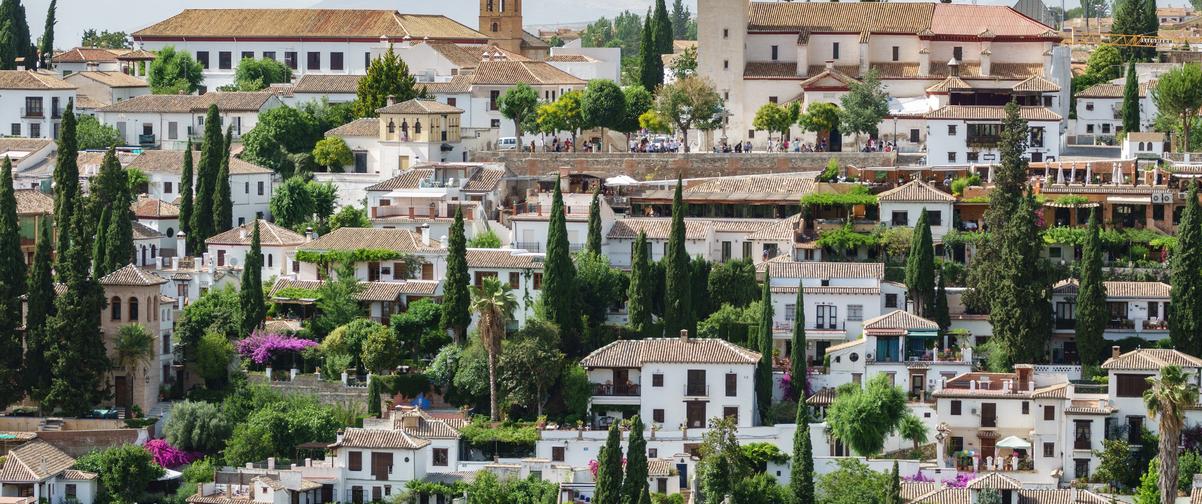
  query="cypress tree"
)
[
  {"x": 119, "y": 241},
  {"x": 593, "y": 245},
  {"x": 203, "y": 216},
  {"x": 223, "y": 203},
  {"x": 98, "y": 247},
  {"x": 455, "y": 296},
  {"x": 699, "y": 294},
  {"x": 1092, "y": 312},
  {"x": 373, "y": 398},
  {"x": 763, "y": 370},
  {"x": 678, "y": 307},
  {"x": 47, "y": 45},
  {"x": 638, "y": 307},
  {"x": 12, "y": 285},
  {"x": 8, "y": 55},
  {"x": 40, "y": 302},
  {"x": 799, "y": 370},
  {"x": 634, "y": 486},
  {"x": 940, "y": 314},
  {"x": 609, "y": 469},
  {"x": 1131, "y": 101},
  {"x": 1186, "y": 273},
  {"x": 662, "y": 25},
  {"x": 250, "y": 293},
  {"x": 1019, "y": 308},
  {"x": 66, "y": 178},
  {"x": 185, "y": 203},
  {"x": 920, "y": 266},
  {"x": 1151, "y": 27},
  {"x": 801, "y": 475},
  {"x": 559, "y": 279},
  {"x": 894, "y": 496},
  {"x": 651, "y": 66}
]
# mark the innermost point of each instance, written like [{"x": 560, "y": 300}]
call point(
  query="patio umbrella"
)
[
  {"x": 1060, "y": 173},
  {"x": 989, "y": 177},
  {"x": 1014, "y": 443},
  {"x": 1088, "y": 172},
  {"x": 1072, "y": 175}
]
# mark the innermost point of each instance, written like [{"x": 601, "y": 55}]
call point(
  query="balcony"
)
[
  {"x": 696, "y": 390},
  {"x": 32, "y": 113},
  {"x": 146, "y": 139},
  {"x": 612, "y": 390},
  {"x": 1066, "y": 323},
  {"x": 1082, "y": 443},
  {"x": 530, "y": 246},
  {"x": 988, "y": 421}
]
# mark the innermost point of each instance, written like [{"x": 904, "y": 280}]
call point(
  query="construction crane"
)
[{"x": 1125, "y": 40}]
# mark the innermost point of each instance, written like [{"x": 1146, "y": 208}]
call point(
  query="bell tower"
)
[{"x": 501, "y": 22}]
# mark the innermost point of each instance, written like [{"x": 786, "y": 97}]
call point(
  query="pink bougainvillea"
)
[
  {"x": 261, "y": 347},
  {"x": 169, "y": 456}
]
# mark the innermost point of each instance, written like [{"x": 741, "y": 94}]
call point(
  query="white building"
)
[
  {"x": 521, "y": 270},
  {"x": 32, "y": 103},
  {"x": 416, "y": 254},
  {"x": 277, "y": 244},
  {"x": 968, "y": 134},
  {"x": 903, "y": 205},
  {"x": 106, "y": 88},
  {"x": 315, "y": 87},
  {"x": 1143, "y": 145},
  {"x": 903, "y": 346},
  {"x": 431, "y": 194},
  {"x": 1127, "y": 379},
  {"x": 1100, "y": 110},
  {"x": 169, "y": 121},
  {"x": 162, "y": 217},
  {"x": 1137, "y": 309},
  {"x": 37, "y": 471},
  {"x": 528, "y": 229},
  {"x": 250, "y": 185},
  {"x": 673, "y": 381},
  {"x": 588, "y": 63}
]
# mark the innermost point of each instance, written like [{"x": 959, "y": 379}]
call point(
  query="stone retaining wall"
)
[{"x": 646, "y": 166}]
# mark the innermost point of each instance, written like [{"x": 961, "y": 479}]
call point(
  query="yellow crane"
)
[{"x": 1126, "y": 40}]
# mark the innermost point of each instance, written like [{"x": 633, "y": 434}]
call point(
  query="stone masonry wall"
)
[{"x": 646, "y": 166}]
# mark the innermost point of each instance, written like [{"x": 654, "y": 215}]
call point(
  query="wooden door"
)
[
  {"x": 121, "y": 383},
  {"x": 988, "y": 414},
  {"x": 695, "y": 414}
]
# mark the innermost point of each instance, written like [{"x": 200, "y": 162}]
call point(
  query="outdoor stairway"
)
[{"x": 51, "y": 424}]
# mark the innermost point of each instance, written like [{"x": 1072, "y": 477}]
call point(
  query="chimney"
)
[
  {"x": 1115, "y": 352},
  {"x": 830, "y": 65},
  {"x": 953, "y": 68},
  {"x": 684, "y": 335},
  {"x": 241, "y": 233},
  {"x": 1024, "y": 375},
  {"x": 309, "y": 234},
  {"x": 270, "y": 463},
  {"x": 986, "y": 61},
  {"x": 425, "y": 231},
  {"x": 181, "y": 243},
  {"x": 392, "y": 99}
]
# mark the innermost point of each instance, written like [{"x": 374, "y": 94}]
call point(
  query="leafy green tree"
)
[
  {"x": 864, "y": 417},
  {"x": 250, "y": 294},
  {"x": 486, "y": 239},
  {"x": 801, "y": 475},
  {"x": 638, "y": 304},
  {"x": 223, "y": 202},
  {"x": 213, "y": 355},
  {"x": 174, "y": 72},
  {"x": 124, "y": 471},
  {"x": 634, "y": 485},
  {"x": 732, "y": 282},
  {"x": 773, "y": 118},
  {"x": 852, "y": 482},
  {"x": 350, "y": 339},
  {"x": 374, "y": 399},
  {"x": 609, "y": 469},
  {"x": 1185, "y": 330},
  {"x": 417, "y": 329},
  {"x": 455, "y": 296},
  {"x": 185, "y": 205},
  {"x": 864, "y": 106},
  {"x": 92, "y": 134},
  {"x": 593, "y": 244},
  {"x": 105, "y": 39},
  {"x": 387, "y": 76},
  {"x": 920, "y": 266},
  {"x": 821, "y": 118},
  {"x": 46, "y": 45},
  {"x": 218, "y": 310},
  {"x": 688, "y": 103},
  {"x": 197, "y": 426},
  {"x": 600, "y": 288},
  {"x": 1149, "y": 490},
  {"x": 723, "y": 464},
  {"x": 559, "y": 294},
  {"x": 66, "y": 179},
  {"x": 348, "y": 216},
  {"x": 685, "y": 63},
  {"x": 603, "y": 105},
  {"x": 1131, "y": 100},
  {"x": 1178, "y": 94},
  {"x": 681, "y": 19},
  {"x": 292, "y": 203},
  {"x": 280, "y": 132},
  {"x": 651, "y": 66},
  {"x": 336, "y": 303},
  {"x": 638, "y": 102},
  {"x": 517, "y": 104},
  {"x": 274, "y": 428},
  {"x": 39, "y": 303},
  {"x": 257, "y": 74},
  {"x": 380, "y": 350},
  {"x": 1170, "y": 394},
  {"x": 911, "y": 427},
  {"x": 493, "y": 302},
  {"x": 763, "y": 370},
  {"x": 532, "y": 364},
  {"x": 1116, "y": 465},
  {"x": 211, "y": 150},
  {"x": 333, "y": 153},
  {"x": 1092, "y": 311},
  {"x": 678, "y": 309}
]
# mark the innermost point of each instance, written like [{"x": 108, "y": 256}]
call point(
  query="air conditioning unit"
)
[
  {"x": 1156, "y": 198},
  {"x": 973, "y": 411}
]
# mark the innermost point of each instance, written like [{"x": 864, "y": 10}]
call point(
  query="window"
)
[
  {"x": 16, "y": 129},
  {"x": 951, "y": 157},
  {"x": 732, "y": 384},
  {"x": 1106, "y": 128},
  {"x": 495, "y": 123},
  {"x": 958, "y": 53},
  {"x": 1049, "y": 450},
  {"x": 696, "y": 382},
  {"x": 725, "y": 33},
  {"x": 269, "y": 55},
  {"x": 313, "y": 62},
  {"x": 246, "y": 188},
  {"x": 538, "y": 282},
  {"x": 1153, "y": 310},
  {"x": 35, "y": 130},
  {"x": 657, "y": 380},
  {"x": 1055, "y": 252},
  {"x": 1118, "y": 310},
  {"x": 202, "y": 57},
  {"x": 1049, "y": 413},
  {"x": 661, "y": 485},
  {"x": 896, "y": 53},
  {"x": 451, "y": 101},
  {"x": 513, "y": 279},
  {"x": 290, "y": 59},
  {"x": 900, "y": 218},
  {"x": 366, "y": 60},
  {"x": 167, "y": 187},
  {"x": 956, "y": 406},
  {"x": 835, "y": 50},
  {"x": 133, "y": 309},
  {"x": 934, "y": 217},
  {"x": 775, "y": 53},
  {"x": 855, "y": 312},
  {"x": 914, "y": 135},
  {"x": 890, "y": 300},
  {"x": 441, "y": 457},
  {"x": 726, "y": 64},
  {"x": 1026, "y": 407},
  {"x": 70, "y": 490},
  {"x": 260, "y": 188},
  {"x": 772, "y": 99},
  {"x": 248, "y": 55},
  {"x": 657, "y": 415},
  {"x": 172, "y": 130},
  {"x": 225, "y": 60},
  {"x": 557, "y": 453},
  {"x": 336, "y": 61},
  {"x": 951, "y": 130},
  {"x": 1081, "y": 468},
  {"x": 1089, "y": 127},
  {"x": 828, "y": 317},
  {"x": 731, "y": 412},
  {"x": 492, "y": 99},
  {"x": 496, "y": 27},
  {"x": 354, "y": 461},
  {"x": 726, "y": 251},
  {"x": 957, "y": 444},
  {"x": 1082, "y": 434},
  {"x": 1130, "y": 385},
  {"x": 33, "y": 106},
  {"x": 1036, "y": 137},
  {"x": 115, "y": 309}
]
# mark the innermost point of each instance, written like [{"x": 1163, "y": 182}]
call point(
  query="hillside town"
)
[{"x": 767, "y": 252}]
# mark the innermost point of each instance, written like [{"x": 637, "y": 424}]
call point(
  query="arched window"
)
[
  {"x": 404, "y": 127},
  {"x": 417, "y": 127},
  {"x": 153, "y": 250},
  {"x": 133, "y": 309},
  {"x": 502, "y": 5},
  {"x": 115, "y": 308},
  {"x": 391, "y": 127},
  {"x": 495, "y": 28},
  {"x": 269, "y": 261},
  {"x": 171, "y": 232}
]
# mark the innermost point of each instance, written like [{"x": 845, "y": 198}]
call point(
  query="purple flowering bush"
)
[
  {"x": 260, "y": 347},
  {"x": 166, "y": 455}
]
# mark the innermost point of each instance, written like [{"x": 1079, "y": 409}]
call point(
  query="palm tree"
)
[
  {"x": 911, "y": 427},
  {"x": 134, "y": 348},
  {"x": 494, "y": 302},
  {"x": 1167, "y": 398}
]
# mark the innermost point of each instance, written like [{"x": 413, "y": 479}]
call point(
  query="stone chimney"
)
[
  {"x": 864, "y": 54},
  {"x": 270, "y": 463},
  {"x": 986, "y": 58},
  {"x": 1024, "y": 372},
  {"x": 1115, "y": 352},
  {"x": 803, "y": 56},
  {"x": 924, "y": 58},
  {"x": 953, "y": 67},
  {"x": 241, "y": 233},
  {"x": 309, "y": 234},
  {"x": 830, "y": 65},
  {"x": 684, "y": 335},
  {"x": 392, "y": 99},
  {"x": 181, "y": 244},
  {"x": 425, "y": 232}
]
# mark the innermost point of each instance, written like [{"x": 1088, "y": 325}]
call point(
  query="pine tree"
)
[
  {"x": 185, "y": 204},
  {"x": 609, "y": 469},
  {"x": 920, "y": 266},
  {"x": 387, "y": 76},
  {"x": 1131, "y": 101},
  {"x": 455, "y": 296},
  {"x": 250, "y": 293},
  {"x": 940, "y": 313},
  {"x": 638, "y": 302},
  {"x": 593, "y": 246},
  {"x": 99, "y": 248},
  {"x": 1092, "y": 312},
  {"x": 40, "y": 302},
  {"x": 801, "y": 476},
  {"x": 12, "y": 285},
  {"x": 203, "y": 216},
  {"x": 799, "y": 370},
  {"x": 662, "y": 25},
  {"x": 66, "y": 178},
  {"x": 763, "y": 370},
  {"x": 1185, "y": 296},
  {"x": 894, "y": 496},
  {"x": 678, "y": 307},
  {"x": 47, "y": 45},
  {"x": 559, "y": 279},
  {"x": 651, "y": 66},
  {"x": 634, "y": 485},
  {"x": 223, "y": 202}
]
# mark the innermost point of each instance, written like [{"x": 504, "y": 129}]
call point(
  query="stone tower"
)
[
  {"x": 501, "y": 21},
  {"x": 721, "y": 46}
]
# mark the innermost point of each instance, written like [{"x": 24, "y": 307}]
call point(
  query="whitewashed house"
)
[
  {"x": 376, "y": 464},
  {"x": 969, "y": 134},
  {"x": 169, "y": 121},
  {"x": 431, "y": 194},
  {"x": 903, "y": 205},
  {"x": 520, "y": 269},
  {"x": 528, "y": 229},
  {"x": 277, "y": 244},
  {"x": 107, "y": 88},
  {"x": 839, "y": 298},
  {"x": 1100, "y": 110},
  {"x": 1127, "y": 379},
  {"x": 161, "y": 216},
  {"x": 416, "y": 255},
  {"x": 37, "y": 471},
  {"x": 250, "y": 184},
  {"x": 903, "y": 346},
  {"x": 1137, "y": 309},
  {"x": 316, "y": 87},
  {"x": 32, "y": 103},
  {"x": 1143, "y": 145}
]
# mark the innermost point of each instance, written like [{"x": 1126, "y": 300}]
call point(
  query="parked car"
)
[{"x": 507, "y": 143}]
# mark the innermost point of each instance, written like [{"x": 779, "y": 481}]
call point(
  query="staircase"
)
[{"x": 51, "y": 424}]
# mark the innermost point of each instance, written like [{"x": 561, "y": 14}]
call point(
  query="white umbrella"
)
[
  {"x": 1072, "y": 174},
  {"x": 1088, "y": 172},
  {"x": 989, "y": 177},
  {"x": 1014, "y": 442},
  {"x": 620, "y": 180},
  {"x": 1060, "y": 173}
]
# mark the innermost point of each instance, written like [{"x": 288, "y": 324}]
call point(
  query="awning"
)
[
  {"x": 1014, "y": 442},
  {"x": 987, "y": 434},
  {"x": 1130, "y": 200},
  {"x": 620, "y": 180}
]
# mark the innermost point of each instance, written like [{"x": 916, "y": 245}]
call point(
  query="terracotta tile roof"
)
[
  {"x": 634, "y": 353},
  {"x": 464, "y": 56},
  {"x": 946, "y": 496},
  {"x": 995, "y": 481},
  {"x": 77, "y": 475},
  {"x": 270, "y": 235},
  {"x": 485, "y": 179},
  {"x": 84, "y": 55},
  {"x": 898, "y": 320},
  {"x": 306, "y": 24},
  {"x": 132, "y": 275},
  {"x": 382, "y": 439},
  {"x": 218, "y": 498},
  {"x": 144, "y": 232},
  {"x": 458, "y": 84},
  {"x": 30, "y": 202},
  {"x": 569, "y": 58},
  {"x": 967, "y": 20},
  {"x": 399, "y": 240},
  {"x": 1120, "y": 290},
  {"x": 1090, "y": 407},
  {"x": 843, "y": 18},
  {"x": 829, "y": 73},
  {"x": 270, "y": 483},
  {"x": 824, "y": 270},
  {"x": 408, "y": 179},
  {"x": 426, "y": 426},
  {"x": 503, "y": 259},
  {"x": 171, "y": 161},
  {"x": 110, "y": 79},
  {"x": 368, "y": 291},
  {"x": 845, "y": 344},
  {"x": 781, "y": 230},
  {"x": 30, "y": 79},
  {"x": 136, "y": 54},
  {"x": 1146, "y": 136},
  {"x": 365, "y": 127},
  {"x": 951, "y": 83},
  {"x": 803, "y": 182},
  {"x": 823, "y": 397},
  {"x": 1195, "y": 496},
  {"x": 327, "y": 84},
  {"x": 153, "y": 208},
  {"x": 1061, "y": 496},
  {"x": 225, "y": 101},
  {"x": 1152, "y": 359},
  {"x": 1037, "y": 84},
  {"x": 85, "y": 102},
  {"x": 747, "y": 226},
  {"x": 770, "y": 70},
  {"x": 1096, "y": 188},
  {"x": 1057, "y": 391},
  {"x": 990, "y": 113},
  {"x": 419, "y": 106},
  {"x": 916, "y": 191},
  {"x": 283, "y": 326},
  {"x": 522, "y": 72},
  {"x": 34, "y": 461},
  {"x": 657, "y": 228},
  {"x": 18, "y": 148},
  {"x": 661, "y": 467},
  {"x": 1108, "y": 90}
]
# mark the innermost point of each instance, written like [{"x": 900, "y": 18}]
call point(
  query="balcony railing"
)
[
  {"x": 1082, "y": 443},
  {"x": 695, "y": 390},
  {"x": 609, "y": 389},
  {"x": 146, "y": 140},
  {"x": 530, "y": 246},
  {"x": 33, "y": 113}
]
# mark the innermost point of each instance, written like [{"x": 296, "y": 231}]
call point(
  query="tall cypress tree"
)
[
  {"x": 185, "y": 203},
  {"x": 455, "y": 296},
  {"x": 119, "y": 240},
  {"x": 638, "y": 302},
  {"x": 609, "y": 469},
  {"x": 203, "y": 216},
  {"x": 799, "y": 369},
  {"x": 678, "y": 307},
  {"x": 1185, "y": 329},
  {"x": 47, "y": 44},
  {"x": 223, "y": 202},
  {"x": 66, "y": 178},
  {"x": 634, "y": 485},
  {"x": 250, "y": 292},
  {"x": 593, "y": 245},
  {"x": 1131, "y": 101},
  {"x": 40, "y": 302},
  {"x": 1151, "y": 27},
  {"x": 801, "y": 474},
  {"x": 662, "y": 24},
  {"x": 651, "y": 66},
  {"x": 12, "y": 285},
  {"x": 1020, "y": 308},
  {"x": 920, "y": 266},
  {"x": 763, "y": 370},
  {"x": 1092, "y": 312},
  {"x": 98, "y": 247},
  {"x": 559, "y": 278},
  {"x": 894, "y": 496},
  {"x": 940, "y": 313}
]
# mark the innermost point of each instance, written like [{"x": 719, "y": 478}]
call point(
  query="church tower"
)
[{"x": 501, "y": 21}]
